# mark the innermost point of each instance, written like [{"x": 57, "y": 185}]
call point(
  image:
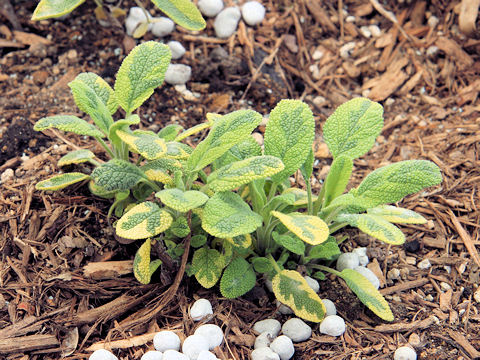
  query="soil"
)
[{"x": 52, "y": 303}]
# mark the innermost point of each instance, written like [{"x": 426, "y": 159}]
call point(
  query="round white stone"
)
[
  {"x": 166, "y": 340},
  {"x": 226, "y": 22},
  {"x": 178, "y": 74},
  {"x": 136, "y": 15},
  {"x": 312, "y": 283},
  {"x": 263, "y": 340},
  {"x": 177, "y": 49},
  {"x": 162, "y": 26},
  {"x": 283, "y": 309},
  {"x": 102, "y": 354},
  {"x": 206, "y": 355},
  {"x": 212, "y": 333},
  {"x": 174, "y": 355},
  {"x": 405, "y": 353},
  {"x": 268, "y": 283},
  {"x": 297, "y": 330},
  {"x": 332, "y": 325},
  {"x": 210, "y": 8},
  {"x": 253, "y": 13},
  {"x": 347, "y": 261},
  {"x": 268, "y": 325},
  {"x": 194, "y": 345},
  {"x": 329, "y": 307},
  {"x": 362, "y": 255},
  {"x": 369, "y": 275},
  {"x": 264, "y": 353},
  {"x": 201, "y": 307},
  {"x": 283, "y": 346},
  {"x": 152, "y": 355}
]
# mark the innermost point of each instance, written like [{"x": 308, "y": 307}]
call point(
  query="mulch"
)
[{"x": 66, "y": 285}]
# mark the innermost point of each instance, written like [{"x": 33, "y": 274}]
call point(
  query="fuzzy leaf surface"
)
[
  {"x": 241, "y": 241},
  {"x": 289, "y": 135},
  {"x": 151, "y": 147},
  {"x": 397, "y": 215},
  {"x": 310, "y": 229},
  {"x": 160, "y": 170},
  {"x": 68, "y": 123},
  {"x": 61, "y": 181},
  {"x": 117, "y": 175},
  {"x": 182, "y": 201},
  {"x": 101, "y": 88},
  {"x": 246, "y": 149},
  {"x": 207, "y": 265},
  {"x": 327, "y": 250},
  {"x": 76, "y": 157},
  {"x": 300, "y": 196},
  {"x": 337, "y": 178},
  {"x": 291, "y": 243},
  {"x": 352, "y": 129},
  {"x": 169, "y": 132},
  {"x": 143, "y": 269},
  {"x": 192, "y": 131},
  {"x": 47, "y": 9},
  {"x": 177, "y": 150},
  {"x": 183, "y": 12},
  {"x": 238, "y": 279}
]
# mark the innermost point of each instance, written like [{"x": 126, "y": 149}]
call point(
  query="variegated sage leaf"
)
[
  {"x": 177, "y": 150},
  {"x": 238, "y": 278},
  {"x": 61, "y": 181},
  {"x": 183, "y": 12},
  {"x": 151, "y": 147},
  {"x": 310, "y": 229},
  {"x": 182, "y": 201},
  {"x": 397, "y": 215},
  {"x": 192, "y": 131},
  {"x": 207, "y": 265},
  {"x": 246, "y": 149},
  {"x": 161, "y": 169},
  {"x": 169, "y": 132},
  {"x": 68, "y": 123},
  {"x": 117, "y": 175},
  {"x": 101, "y": 88},
  {"x": 47, "y": 9},
  {"x": 289, "y": 242},
  {"x": 76, "y": 157},
  {"x": 337, "y": 178},
  {"x": 143, "y": 269},
  {"x": 241, "y": 241}
]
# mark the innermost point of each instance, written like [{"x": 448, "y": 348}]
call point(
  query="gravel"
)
[
  {"x": 102, "y": 354},
  {"x": 312, "y": 283},
  {"x": 283, "y": 346},
  {"x": 194, "y": 345},
  {"x": 177, "y": 49},
  {"x": 369, "y": 275},
  {"x": 212, "y": 333},
  {"x": 206, "y": 355},
  {"x": 152, "y": 355},
  {"x": 174, "y": 355},
  {"x": 348, "y": 261},
  {"x": 178, "y": 74},
  {"x": 332, "y": 325},
  {"x": 162, "y": 26},
  {"x": 253, "y": 13},
  {"x": 405, "y": 353},
  {"x": 226, "y": 22},
  {"x": 329, "y": 307},
  {"x": 166, "y": 340},
  {"x": 264, "y": 353},
  {"x": 268, "y": 325},
  {"x": 210, "y": 8},
  {"x": 297, "y": 330},
  {"x": 263, "y": 340}
]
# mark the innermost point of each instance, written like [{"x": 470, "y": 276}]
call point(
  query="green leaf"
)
[
  {"x": 225, "y": 133},
  {"x": 169, "y": 132},
  {"x": 337, "y": 178},
  {"x": 144, "y": 220},
  {"x": 262, "y": 265},
  {"x": 207, "y": 265},
  {"x": 243, "y": 172},
  {"x": 192, "y": 131},
  {"x": 143, "y": 269},
  {"x": 179, "y": 151},
  {"x": 141, "y": 72},
  {"x": 327, "y": 250},
  {"x": 198, "y": 241},
  {"x": 374, "y": 226},
  {"x": 307, "y": 167},
  {"x": 68, "y": 123},
  {"x": 182, "y": 201},
  {"x": 367, "y": 293},
  {"x": 310, "y": 229},
  {"x": 117, "y": 175},
  {"x": 241, "y": 241},
  {"x": 124, "y": 125},
  {"x": 151, "y": 147},
  {"x": 226, "y": 215},
  {"x": 238, "y": 279},
  {"x": 47, "y": 9},
  {"x": 289, "y": 135},
  {"x": 246, "y": 149},
  {"x": 160, "y": 170},
  {"x": 397, "y": 215},
  {"x": 101, "y": 89},
  {"x": 183, "y": 12},
  {"x": 99, "y": 191},
  {"x": 61, "y": 181},
  {"x": 291, "y": 289},
  {"x": 291, "y": 243},
  {"x": 299, "y": 196},
  {"x": 352, "y": 129},
  {"x": 76, "y": 157},
  {"x": 180, "y": 227}
]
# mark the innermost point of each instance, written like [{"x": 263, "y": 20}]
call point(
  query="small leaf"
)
[
  {"x": 141, "y": 30},
  {"x": 289, "y": 136},
  {"x": 117, "y": 175},
  {"x": 207, "y": 264},
  {"x": 121, "y": 125},
  {"x": 183, "y": 12},
  {"x": 291, "y": 243},
  {"x": 160, "y": 170},
  {"x": 144, "y": 220},
  {"x": 241, "y": 241},
  {"x": 141, "y": 72},
  {"x": 244, "y": 150},
  {"x": 397, "y": 215},
  {"x": 238, "y": 279},
  {"x": 182, "y": 201},
  {"x": 169, "y": 132},
  {"x": 291, "y": 289},
  {"x": 226, "y": 215},
  {"x": 68, "y": 123},
  {"x": 47, "y": 9},
  {"x": 179, "y": 151},
  {"x": 151, "y": 147},
  {"x": 180, "y": 227},
  {"x": 367, "y": 293},
  {"x": 337, "y": 178},
  {"x": 198, "y": 241},
  {"x": 327, "y": 250},
  {"x": 310, "y": 229},
  {"x": 61, "y": 181},
  {"x": 307, "y": 167},
  {"x": 192, "y": 131},
  {"x": 243, "y": 172},
  {"x": 300, "y": 196},
  {"x": 101, "y": 89},
  {"x": 99, "y": 191},
  {"x": 262, "y": 265},
  {"x": 374, "y": 226},
  {"x": 143, "y": 269},
  {"x": 352, "y": 129},
  {"x": 76, "y": 157}
]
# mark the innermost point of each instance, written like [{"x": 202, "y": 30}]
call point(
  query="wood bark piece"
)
[
  {"x": 139, "y": 340},
  {"x": 391, "y": 80},
  {"x": 454, "y": 51},
  {"x": 321, "y": 16},
  {"x": 467, "y": 240},
  {"x": 467, "y": 18},
  {"x": 28, "y": 343},
  {"x": 464, "y": 343},
  {"x": 107, "y": 269},
  {"x": 404, "y": 286},
  {"x": 419, "y": 324}
]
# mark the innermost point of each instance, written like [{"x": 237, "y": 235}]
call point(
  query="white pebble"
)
[
  {"x": 200, "y": 309},
  {"x": 332, "y": 325},
  {"x": 362, "y": 255},
  {"x": 375, "y": 30},
  {"x": 283, "y": 309},
  {"x": 152, "y": 355},
  {"x": 366, "y": 272},
  {"x": 432, "y": 51},
  {"x": 329, "y": 307},
  {"x": 268, "y": 325},
  {"x": 193, "y": 345},
  {"x": 212, "y": 333},
  {"x": 102, "y": 354},
  {"x": 136, "y": 15},
  {"x": 162, "y": 26},
  {"x": 424, "y": 264},
  {"x": 174, "y": 355},
  {"x": 347, "y": 49},
  {"x": 297, "y": 330},
  {"x": 405, "y": 353},
  {"x": 264, "y": 353},
  {"x": 366, "y": 31},
  {"x": 210, "y": 8},
  {"x": 268, "y": 283},
  {"x": 226, "y": 22},
  {"x": 350, "y": 19},
  {"x": 206, "y": 355},
  {"x": 176, "y": 49},
  {"x": 7, "y": 175},
  {"x": 347, "y": 261},
  {"x": 166, "y": 340},
  {"x": 283, "y": 346},
  {"x": 253, "y": 13},
  {"x": 263, "y": 340},
  {"x": 178, "y": 74},
  {"x": 312, "y": 283},
  {"x": 433, "y": 21}
]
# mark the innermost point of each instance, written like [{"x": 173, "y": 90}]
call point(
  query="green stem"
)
[
  {"x": 317, "y": 206},
  {"x": 309, "y": 197},
  {"x": 272, "y": 191},
  {"x": 337, "y": 226},
  {"x": 327, "y": 269},
  {"x": 94, "y": 162},
  {"x": 274, "y": 263},
  {"x": 105, "y": 146}
]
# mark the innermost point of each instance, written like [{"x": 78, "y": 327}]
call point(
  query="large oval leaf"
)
[
  {"x": 226, "y": 215},
  {"x": 397, "y": 215},
  {"x": 352, "y": 129},
  {"x": 76, "y": 157},
  {"x": 47, "y": 9},
  {"x": 291, "y": 289},
  {"x": 117, "y": 175},
  {"x": 183, "y": 12},
  {"x": 144, "y": 220},
  {"x": 141, "y": 72},
  {"x": 310, "y": 229},
  {"x": 68, "y": 123},
  {"x": 61, "y": 181},
  {"x": 182, "y": 201},
  {"x": 238, "y": 278},
  {"x": 289, "y": 135},
  {"x": 207, "y": 265},
  {"x": 143, "y": 269},
  {"x": 151, "y": 147},
  {"x": 367, "y": 293}
]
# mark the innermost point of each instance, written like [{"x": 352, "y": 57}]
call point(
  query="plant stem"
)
[
  {"x": 105, "y": 146},
  {"x": 309, "y": 197},
  {"x": 272, "y": 191},
  {"x": 337, "y": 226},
  {"x": 317, "y": 206},
  {"x": 274, "y": 263},
  {"x": 327, "y": 269}
]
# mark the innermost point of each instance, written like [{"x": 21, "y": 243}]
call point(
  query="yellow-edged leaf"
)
[
  {"x": 193, "y": 130},
  {"x": 242, "y": 241},
  {"x": 182, "y": 201},
  {"x": 310, "y": 229},
  {"x": 76, "y": 157},
  {"x": 397, "y": 215},
  {"x": 142, "y": 267},
  {"x": 61, "y": 181},
  {"x": 207, "y": 265},
  {"x": 151, "y": 147},
  {"x": 301, "y": 196}
]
